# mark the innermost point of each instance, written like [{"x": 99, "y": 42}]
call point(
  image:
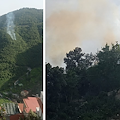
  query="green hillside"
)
[{"x": 16, "y": 56}]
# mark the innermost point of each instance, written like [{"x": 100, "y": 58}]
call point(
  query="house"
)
[
  {"x": 15, "y": 111},
  {"x": 39, "y": 110},
  {"x": 34, "y": 104},
  {"x": 30, "y": 103},
  {"x": 20, "y": 107},
  {"x": 16, "y": 117},
  {"x": 10, "y": 108},
  {"x": 11, "y": 111},
  {"x": 40, "y": 101}
]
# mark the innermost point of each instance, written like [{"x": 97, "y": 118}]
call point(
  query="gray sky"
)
[
  {"x": 11, "y": 5},
  {"x": 88, "y": 24}
]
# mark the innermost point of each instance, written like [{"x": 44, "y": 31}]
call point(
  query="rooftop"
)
[
  {"x": 11, "y": 108},
  {"x": 20, "y": 106},
  {"x": 31, "y": 103}
]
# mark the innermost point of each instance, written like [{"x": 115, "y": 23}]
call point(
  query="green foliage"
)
[
  {"x": 25, "y": 51},
  {"x": 100, "y": 75},
  {"x": 84, "y": 96},
  {"x": 31, "y": 116},
  {"x": 2, "y": 100},
  {"x": 28, "y": 15},
  {"x": 77, "y": 59}
]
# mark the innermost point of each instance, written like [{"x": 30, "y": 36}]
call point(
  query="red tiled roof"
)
[
  {"x": 20, "y": 107},
  {"x": 31, "y": 103},
  {"x": 16, "y": 117}
]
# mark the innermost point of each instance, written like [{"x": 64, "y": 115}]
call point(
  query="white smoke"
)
[
  {"x": 88, "y": 24},
  {"x": 10, "y": 25}
]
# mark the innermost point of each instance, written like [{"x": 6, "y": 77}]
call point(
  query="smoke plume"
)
[
  {"x": 88, "y": 24},
  {"x": 10, "y": 25}
]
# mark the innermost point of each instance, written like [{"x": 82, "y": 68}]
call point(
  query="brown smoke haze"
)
[{"x": 89, "y": 25}]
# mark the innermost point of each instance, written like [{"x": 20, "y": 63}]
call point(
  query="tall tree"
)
[
  {"x": 55, "y": 84},
  {"x": 77, "y": 64},
  {"x": 77, "y": 59},
  {"x": 105, "y": 76}
]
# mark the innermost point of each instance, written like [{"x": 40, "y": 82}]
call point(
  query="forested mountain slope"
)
[{"x": 20, "y": 46}]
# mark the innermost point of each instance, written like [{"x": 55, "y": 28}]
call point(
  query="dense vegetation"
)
[
  {"x": 89, "y": 87},
  {"x": 26, "y": 51}
]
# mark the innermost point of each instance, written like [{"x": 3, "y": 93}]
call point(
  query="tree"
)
[
  {"x": 77, "y": 59},
  {"x": 82, "y": 92},
  {"x": 77, "y": 64},
  {"x": 105, "y": 76},
  {"x": 31, "y": 116},
  {"x": 108, "y": 63},
  {"x": 55, "y": 83},
  {"x": 2, "y": 113}
]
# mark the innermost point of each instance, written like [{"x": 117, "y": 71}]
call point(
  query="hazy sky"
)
[
  {"x": 88, "y": 24},
  {"x": 11, "y": 5}
]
